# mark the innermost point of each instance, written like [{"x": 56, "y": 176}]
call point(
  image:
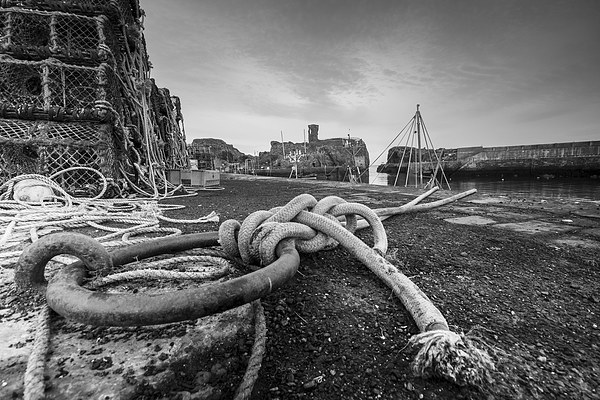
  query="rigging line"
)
[
  {"x": 413, "y": 150},
  {"x": 409, "y": 146},
  {"x": 428, "y": 145},
  {"x": 407, "y": 134},
  {"x": 433, "y": 168},
  {"x": 403, "y": 132},
  {"x": 404, "y": 151},
  {"x": 439, "y": 161},
  {"x": 391, "y": 143}
]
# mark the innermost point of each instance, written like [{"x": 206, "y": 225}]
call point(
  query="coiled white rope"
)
[{"x": 23, "y": 221}]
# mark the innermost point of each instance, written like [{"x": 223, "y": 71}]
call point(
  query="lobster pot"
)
[
  {"x": 45, "y": 148},
  {"x": 38, "y": 35},
  {"x": 120, "y": 11},
  {"x": 167, "y": 119},
  {"x": 56, "y": 91}
]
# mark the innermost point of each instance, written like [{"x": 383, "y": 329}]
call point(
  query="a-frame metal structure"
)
[{"x": 421, "y": 162}]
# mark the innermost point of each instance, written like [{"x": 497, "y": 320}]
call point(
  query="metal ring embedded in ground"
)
[
  {"x": 65, "y": 295},
  {"x": 29, "y": 273}
]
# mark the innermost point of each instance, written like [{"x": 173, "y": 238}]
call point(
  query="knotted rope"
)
[
  {"x": 315, "y": 226},
  {"x": 310, "y": 226}
]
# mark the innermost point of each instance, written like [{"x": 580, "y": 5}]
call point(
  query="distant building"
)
[{"x": 334, "y": 152}]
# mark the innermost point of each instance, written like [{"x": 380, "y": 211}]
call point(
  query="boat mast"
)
[
  {"x": 420, "y": 155},
  {"x": 304, "y": 137}
]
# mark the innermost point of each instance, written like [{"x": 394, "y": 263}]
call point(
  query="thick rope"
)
[
  {"x": 206, "y": 258},
  {"x": 172, "y": 231},
  {"x": 442, "y": 353},
  {"x": 34, "y": 374},
  {"x": 219, "y": 268},
  {"x": 212, "y": 217},
  {"x": 244, "y": 390},
  {"x": 157, "y": 274}
]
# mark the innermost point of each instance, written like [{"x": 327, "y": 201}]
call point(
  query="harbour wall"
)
[
  {"x": 572, "y": 159},
  {"x": 554, "y": 160}
]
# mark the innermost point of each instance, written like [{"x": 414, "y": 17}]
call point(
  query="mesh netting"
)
[
  {"x": 32, "y": 89},
  {"x": 37, "y": 35},
  {"x": 123, "y": 11},
  {"x": 43, "y": 147},
  {"x": 28, "y": 29},
  {"x": 76, "y": 32},
  {"x": 21, "y": 85},
  {"x": 75, "y": 91}
]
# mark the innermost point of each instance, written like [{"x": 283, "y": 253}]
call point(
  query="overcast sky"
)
[{"x": 485, "y": 72}]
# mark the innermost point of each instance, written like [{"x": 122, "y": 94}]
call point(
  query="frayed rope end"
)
[{"x": 454, "y": 357}]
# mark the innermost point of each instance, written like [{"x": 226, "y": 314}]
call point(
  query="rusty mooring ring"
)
[
  {"x": 65, "y": 295},
  {"x": 29, "y": 273}
]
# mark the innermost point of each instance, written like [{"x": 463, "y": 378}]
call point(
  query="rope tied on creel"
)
[{"x": 317, "y": 225}]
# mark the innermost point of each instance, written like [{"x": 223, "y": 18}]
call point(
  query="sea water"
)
[{"x": 573, "y": 188}]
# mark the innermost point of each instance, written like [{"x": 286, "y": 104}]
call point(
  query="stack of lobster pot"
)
[{"x": 75, "y": 92}]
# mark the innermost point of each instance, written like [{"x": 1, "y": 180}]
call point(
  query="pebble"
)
[
  {"x": 290, "y": 377},
  {"x": 221, "y": 372},
  {"x": 101, "y": 363},
  {"x": 231, "y": 362},
  {"x": 203, "y": 377},
  {"x": 310, "y": 347},
  {"x": 310, "y": 385},
  {"x": 215, "y": 368},
  {"x": 184, "y": 395}
]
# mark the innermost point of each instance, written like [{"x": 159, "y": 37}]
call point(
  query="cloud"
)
[{"x": 484, "y": 72}]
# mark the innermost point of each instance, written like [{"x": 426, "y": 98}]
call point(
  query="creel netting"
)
[
  {"x": 121, "y": 11},
  {"x": 46, "y": 148},
  {"x": 37, "y": 35},
  {"x": 78, "y": 62},
  {"x": 34, "y": 89}
]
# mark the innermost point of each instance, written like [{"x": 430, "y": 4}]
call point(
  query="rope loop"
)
[
  {"x": 312, "y": 224},
  {"x": 228, "y": 237}
]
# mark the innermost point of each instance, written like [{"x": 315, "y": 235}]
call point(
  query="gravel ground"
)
[
  {"x": 519, "y": 275},
  {"x": 525, "y": 284}
]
